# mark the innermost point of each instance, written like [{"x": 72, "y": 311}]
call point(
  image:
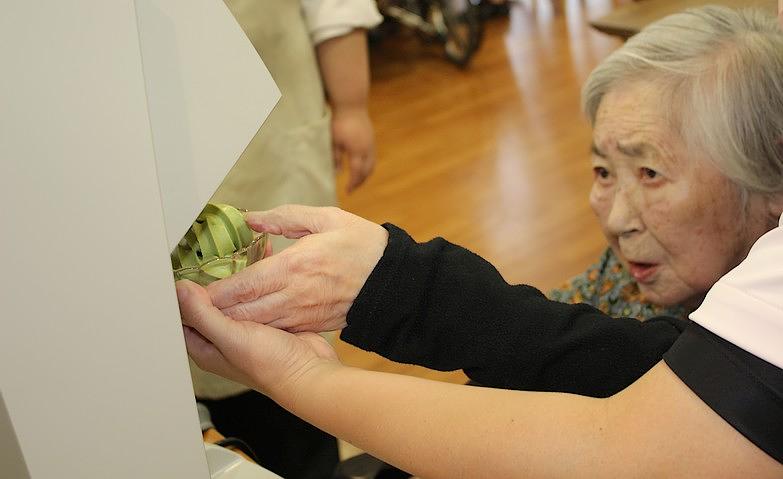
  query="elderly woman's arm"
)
[
  {"x": 437, "y": 305},
  {"x": 657, "y": 427}
]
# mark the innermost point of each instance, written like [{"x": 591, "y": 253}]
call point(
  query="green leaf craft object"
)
[{"x": 217, "y": 245}]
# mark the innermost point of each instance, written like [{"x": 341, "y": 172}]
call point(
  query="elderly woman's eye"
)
[
  {"x": 601, "y": 172},
  {"x": 649, "y": 174}
]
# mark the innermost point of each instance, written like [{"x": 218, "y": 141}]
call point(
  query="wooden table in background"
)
[{"x": 627, "y": 20}]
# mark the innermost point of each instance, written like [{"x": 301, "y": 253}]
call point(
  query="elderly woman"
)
[
  {"x": 687, "y": 119},
  {"x": 686, "y": 152}
]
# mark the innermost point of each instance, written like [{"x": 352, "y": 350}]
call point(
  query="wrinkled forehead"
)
[{"x": 632, "y": 121}]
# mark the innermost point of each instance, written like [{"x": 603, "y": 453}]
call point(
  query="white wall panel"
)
[
  {"x": 208, "y": 92},
  {"x": 93, "y": 369}
]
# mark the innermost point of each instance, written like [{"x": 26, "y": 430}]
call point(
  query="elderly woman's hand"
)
[
  {"x": 311, "y": 285},
  {"x": 261, "y": 357}
]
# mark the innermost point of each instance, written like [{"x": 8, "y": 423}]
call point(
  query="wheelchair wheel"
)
[{"x": 459, "y": 27}]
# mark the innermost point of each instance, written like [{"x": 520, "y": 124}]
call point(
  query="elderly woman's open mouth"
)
[{"x": 642, "y": 272}]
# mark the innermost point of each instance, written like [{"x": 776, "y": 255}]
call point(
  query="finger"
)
[
  {"x": 259, "y": 279},
  {"x": 198, "y": 313},
  {"x": 205, "y": 354},
  {"x": 263, "y": 310},
  {"x": 360, "y": 169},
  {"x": 268, "y": 250},
  {"x": 369, "y": 164},
  {"x": 337, "y": 157},
  {"x": 292, "y": 221},
  {"x": 202, "y": 351},
  {"x": 355, "y": 173}
]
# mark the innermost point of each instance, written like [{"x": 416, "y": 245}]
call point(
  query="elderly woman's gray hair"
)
[{"x": 721, "y": 73}]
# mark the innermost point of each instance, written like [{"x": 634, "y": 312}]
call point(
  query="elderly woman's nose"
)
[{"x": 623, "y": 215}]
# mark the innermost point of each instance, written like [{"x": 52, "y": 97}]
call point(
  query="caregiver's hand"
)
[
  {"x": 311, "y": 285},
  {"x": 259, "y": 356}
]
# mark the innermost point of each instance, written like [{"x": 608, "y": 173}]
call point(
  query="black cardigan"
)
[{"x": 441, "y": 306}]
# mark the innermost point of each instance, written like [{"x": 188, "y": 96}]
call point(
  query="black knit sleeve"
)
[{"x": 441, "y": 306}]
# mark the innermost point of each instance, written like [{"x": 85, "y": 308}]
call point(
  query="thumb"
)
[
  {"x": 293, "y": 221},
  {"x": 199, "y": 314}
]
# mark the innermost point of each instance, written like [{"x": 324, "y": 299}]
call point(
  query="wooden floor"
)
[{"x": 495, "y": 157}]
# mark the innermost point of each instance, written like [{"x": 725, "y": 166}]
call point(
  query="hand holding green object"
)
[{"x": 217, "y": 245}]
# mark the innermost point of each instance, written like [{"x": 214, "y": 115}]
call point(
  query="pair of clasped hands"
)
[{"x": 259, "y": 327}]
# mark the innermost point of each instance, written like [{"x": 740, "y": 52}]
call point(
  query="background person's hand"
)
[
  {"x": 311, "y": 285},
  {"x": 261, "y": 357},
  {"x": 353, "y": 142}
]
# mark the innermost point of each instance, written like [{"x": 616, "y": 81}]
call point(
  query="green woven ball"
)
[{"x": 215, "y": 245}]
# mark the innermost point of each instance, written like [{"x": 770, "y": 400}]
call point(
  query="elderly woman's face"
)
[{"x": 675, "y": 221}]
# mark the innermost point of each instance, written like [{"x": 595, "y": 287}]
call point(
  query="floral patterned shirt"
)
[{"x": 606, "y": 285}]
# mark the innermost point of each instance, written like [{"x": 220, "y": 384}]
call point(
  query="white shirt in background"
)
[{"x": 328, "y": 19}]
